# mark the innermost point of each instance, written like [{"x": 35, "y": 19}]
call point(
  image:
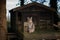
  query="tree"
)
[
  {"x": 53, "y": 4},
  {"x": 40, "y": 1},
  {"x": 22, "y": 2}
]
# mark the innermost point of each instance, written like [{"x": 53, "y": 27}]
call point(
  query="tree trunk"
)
[
  {"x": 3, "y": 25},
  {"x": 22, "y": 2},
  {"x": 53, "y": 4}
]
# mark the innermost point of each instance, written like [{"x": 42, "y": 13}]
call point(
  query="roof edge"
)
[{"x": 34, "y": 3}]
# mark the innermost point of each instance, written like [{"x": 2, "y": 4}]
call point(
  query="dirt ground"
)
[{"x": 48, "y": 35}]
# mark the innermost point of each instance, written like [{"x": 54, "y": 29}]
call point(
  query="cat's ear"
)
[
  {"x": 31, "y": 17},
  {"x": 27, "y": 17}
]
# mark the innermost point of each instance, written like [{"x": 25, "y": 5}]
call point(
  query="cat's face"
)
[{"x": 29, "y": 19}]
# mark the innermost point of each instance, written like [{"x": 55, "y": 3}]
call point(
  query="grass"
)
[{"x": 39, "y": 33}]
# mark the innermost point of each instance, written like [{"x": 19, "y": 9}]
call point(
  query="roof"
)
[{"x": 31, "y": 4}]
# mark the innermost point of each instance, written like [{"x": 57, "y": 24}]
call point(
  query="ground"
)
[{"x": 43, "y": 34}]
